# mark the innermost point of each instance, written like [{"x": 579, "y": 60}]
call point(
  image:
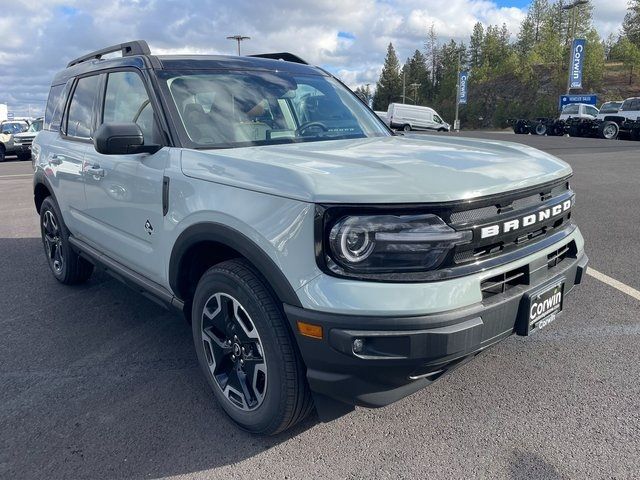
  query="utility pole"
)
[
  {"x": 572, "y": 28},
  {"x": 456, "y": 122},
  {"x": 239, "y": 39},
  {"x": 415, "y": 92}
]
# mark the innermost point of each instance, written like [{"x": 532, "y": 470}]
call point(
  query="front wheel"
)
[
  {"x": 24, "y": 156},
  {"x": 406, "y": 128},
  {"x": 246, "y": 350},
  {"x": 2, "y": 153}
]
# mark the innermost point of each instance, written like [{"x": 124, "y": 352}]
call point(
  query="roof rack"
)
[
  {"x": 286, "y": 56},
  {"x": 137, "y": 47}
]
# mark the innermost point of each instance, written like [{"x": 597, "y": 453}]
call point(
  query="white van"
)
[{"x": 414, "y": 117}]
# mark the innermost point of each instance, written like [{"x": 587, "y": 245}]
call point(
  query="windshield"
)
[
  {"x": 233, "y": 109},
  {"x": 14, "y": 127},
  {"x": 35, "y": 127},
  {"x": 611, "y": 107},
  {"x": 571, "y": 109}
]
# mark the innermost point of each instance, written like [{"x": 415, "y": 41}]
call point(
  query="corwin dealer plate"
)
[{"x": 542, "y": 309}]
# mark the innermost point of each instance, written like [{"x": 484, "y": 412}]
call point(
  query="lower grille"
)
[{"x": 505, "y": 281}]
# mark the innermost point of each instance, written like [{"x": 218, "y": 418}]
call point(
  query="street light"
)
[
  {"x": 573, "y": 7},
  {"x": 239, "y": 39}
]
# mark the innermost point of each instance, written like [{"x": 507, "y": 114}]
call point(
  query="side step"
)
[{"x": 146, "y": 287}]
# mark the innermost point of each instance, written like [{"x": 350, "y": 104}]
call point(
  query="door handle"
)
[
  {"x": 55, "y": 160},
  {"x": 95, "y": 171}
]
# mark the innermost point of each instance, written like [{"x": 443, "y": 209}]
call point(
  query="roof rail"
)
[
  {"x": 136, "y": 47},
  {"x": 286, "y": 56}
]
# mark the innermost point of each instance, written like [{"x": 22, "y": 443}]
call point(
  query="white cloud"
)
[{"x": 349, "y": 37}]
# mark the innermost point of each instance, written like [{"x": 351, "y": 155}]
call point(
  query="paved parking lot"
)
[{"x": 98, "y": 382}]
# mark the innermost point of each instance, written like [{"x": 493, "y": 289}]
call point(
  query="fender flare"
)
[
  {"x": 219, "y": 233},
  {"x": 39, "y": 178}
]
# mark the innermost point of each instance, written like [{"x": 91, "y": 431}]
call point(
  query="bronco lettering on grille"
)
[{"x": 525, "y": 221}]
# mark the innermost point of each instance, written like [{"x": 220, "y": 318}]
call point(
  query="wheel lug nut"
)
[
  {"x": 241, "y": 362},
  {"x": 233, "y": 357}
]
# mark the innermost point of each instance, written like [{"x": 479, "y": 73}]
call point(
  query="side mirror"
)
[{"x": 121, "y": 139}]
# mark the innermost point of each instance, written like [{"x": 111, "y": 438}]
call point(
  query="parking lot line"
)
[
  {"x": 17, "y": 175},
  {"x": 632, "y": 292}
]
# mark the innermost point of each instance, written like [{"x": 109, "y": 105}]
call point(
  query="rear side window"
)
[
  {"x": 571, "y": 109},
  {"x": 80, "y": 116},
  {"x": 126, "y": 101},
  {"x": 592, "y": 111},
  {"x": 55, "y": 106}
]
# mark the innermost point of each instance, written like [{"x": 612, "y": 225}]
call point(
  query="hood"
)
[
  {"x": 25, "y": 135},
  {"x": 397, "y": 169}
]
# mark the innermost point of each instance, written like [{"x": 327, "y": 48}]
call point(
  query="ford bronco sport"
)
[{"x": 321, "y": 260}]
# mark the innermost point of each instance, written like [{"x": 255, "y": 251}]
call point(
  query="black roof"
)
[{"x": 135, "y": 55}]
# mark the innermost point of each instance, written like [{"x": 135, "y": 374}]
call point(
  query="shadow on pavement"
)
[{"x": 99, "y": 382}]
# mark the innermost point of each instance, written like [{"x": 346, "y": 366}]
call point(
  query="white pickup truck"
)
[{"x": 578, "y": 110}]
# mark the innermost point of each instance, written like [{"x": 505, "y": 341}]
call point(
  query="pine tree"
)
[
  {"x": 631, "y": 23},
  {"x": 475, "y": 45},
  {"x": 389, "y": 86},
  {"x": 416, "y": 73}
]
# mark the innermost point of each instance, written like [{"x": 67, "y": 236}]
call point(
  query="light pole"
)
[
  {"x": 239, "y": 39},
  {"x": 572, "y": 7}
]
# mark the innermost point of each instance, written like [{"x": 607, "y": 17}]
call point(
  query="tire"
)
[
  {"x": 66, "y": 265},
  {"x": 24, "y": 156},
  {"x": 406, "y": 128},
  {"x": 2, "y": 153},
  {"x": 253, "y": 350},
  {"x": 541, "y": 129},
  {"x": 520, "y": 128},
  {"x": 608, "y": 130},
  {"x": 634, "y": 133}
]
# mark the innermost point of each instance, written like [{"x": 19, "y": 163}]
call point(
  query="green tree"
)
[
  {"x": 416, "y": 73},
  {"x": 631, "y": 23},
  {"x": 628, "y": 53},
  {"x": 475, "y": 46},
  {"x": 364, "y": 92},
  {"x": 389, "y": 86}
]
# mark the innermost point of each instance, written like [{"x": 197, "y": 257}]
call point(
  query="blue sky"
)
[{"x": 349, "y": 37}]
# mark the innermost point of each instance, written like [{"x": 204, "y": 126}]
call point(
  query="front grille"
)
[
  {"x": 511, "y": 208},
  {"x": 487, "y": 212},
  {"x": 568, "y": 251}
]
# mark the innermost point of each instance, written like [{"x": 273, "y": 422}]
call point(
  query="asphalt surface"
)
[{"x": 98, "y": 382}]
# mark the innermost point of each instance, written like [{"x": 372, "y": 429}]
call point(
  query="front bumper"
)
[{"x": 406, "y": 353}]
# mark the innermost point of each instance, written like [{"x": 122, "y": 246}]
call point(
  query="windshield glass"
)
[
  {"x": 14, "y": 127},
  {"x": 611, "y": 107},
  {"x": 36, "y": 126},
  {"x": 571, "y": 109},
  {"x": 233, "y": 109}
]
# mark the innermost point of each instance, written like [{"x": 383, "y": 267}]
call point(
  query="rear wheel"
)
[
  {"x": 66, "y": 265},
  {"x": 406, "y": 128},
  {"x": 2, "y": 153},
  {"x": 246, "y": 350},
  {"x": 608, "y": 130}
]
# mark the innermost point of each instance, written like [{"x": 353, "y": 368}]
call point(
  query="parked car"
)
[
  {"x": 320, "y": 259},
  {"x": 22, "y": 141},
  {"x": 8, "y": 129},
  {"x": 414, "y": 117}
]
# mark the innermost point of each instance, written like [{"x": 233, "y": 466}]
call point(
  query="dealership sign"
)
[
  {"x": 588, "y": 98},
  {"x": 462, "y": 87},
  {"x": 577, "y": 61}
]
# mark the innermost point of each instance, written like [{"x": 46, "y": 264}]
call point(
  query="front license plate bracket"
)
[{"x": 540, "y": 307}]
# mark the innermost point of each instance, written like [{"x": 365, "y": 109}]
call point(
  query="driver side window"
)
[{"x": 126, "y": 101}]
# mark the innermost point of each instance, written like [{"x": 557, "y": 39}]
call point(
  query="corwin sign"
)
[
  {"x": 462, "y": 89},
  {"x": 577, "y": 61}
]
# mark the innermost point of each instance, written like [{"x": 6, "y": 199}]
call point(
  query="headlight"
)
[{"x": 390, "y": 243}]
